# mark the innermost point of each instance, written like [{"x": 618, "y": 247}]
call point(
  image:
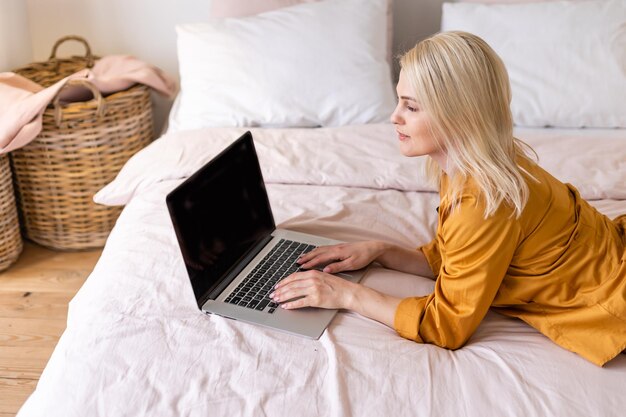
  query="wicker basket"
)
[
  {"x": 81, "y": 148},
  {"x": 10, "y": 237}
]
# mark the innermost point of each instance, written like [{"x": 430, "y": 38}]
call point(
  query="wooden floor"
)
[{"x": 34, "y": 295}]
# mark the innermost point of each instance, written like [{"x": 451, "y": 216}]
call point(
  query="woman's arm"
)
[
  {"x": 375, "y": 305},
  {"x": 402, "y": 259},
  {"x": 320, "y": 289}
]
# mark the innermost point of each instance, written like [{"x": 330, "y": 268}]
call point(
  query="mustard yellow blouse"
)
[{"x": 560, "y": 267}]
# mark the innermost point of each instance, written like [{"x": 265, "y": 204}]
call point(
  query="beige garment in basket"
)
[{"x": 22, "y": 102}]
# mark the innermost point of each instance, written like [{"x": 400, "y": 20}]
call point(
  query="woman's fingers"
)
[
  {"x": 341, "y": 257},
  {"x": 296, "y": 290},
  {"x": 321, "y": 251},
  {"x": 299, "y": 303},
  {"x": 291, "y": 278},
  {"x": 306, "y": 256},
  {"x": 311, "y": 288},
  {"x": 320, "y": 256},
  {"x": 332, "y": 268},
  {"x": 293, "y": 286}
]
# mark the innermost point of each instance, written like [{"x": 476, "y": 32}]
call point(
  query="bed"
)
[{"x": 137, "y": 345}]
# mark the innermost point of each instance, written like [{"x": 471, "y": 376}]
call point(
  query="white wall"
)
[
  {"x": 15, "y": 41},
  {"x": 145, "y": 28}
]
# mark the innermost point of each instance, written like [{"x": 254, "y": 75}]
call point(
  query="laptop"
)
[{"x": 233, "y": 251}]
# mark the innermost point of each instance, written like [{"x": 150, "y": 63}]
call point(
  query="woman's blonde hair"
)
[{"x": 464, "y": 87}]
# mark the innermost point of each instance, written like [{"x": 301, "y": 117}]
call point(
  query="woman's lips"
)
[{"x": 402, "y": 136}]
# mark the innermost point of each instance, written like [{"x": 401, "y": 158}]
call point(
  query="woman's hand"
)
[
  {"x": 318, "y": 289},
  {"x": 351, "y": 256},
  {"x": 313, "y": 289},
  {"x": 343, "y": 257}
]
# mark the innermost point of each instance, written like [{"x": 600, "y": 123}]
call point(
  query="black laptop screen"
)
[{"x": 220, "y": 213}]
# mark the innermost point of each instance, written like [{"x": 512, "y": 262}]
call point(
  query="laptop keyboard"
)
[{"x": 253, "y": 292}]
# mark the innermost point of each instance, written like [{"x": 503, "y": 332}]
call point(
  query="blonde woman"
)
[{"x": 510, "y": 236}]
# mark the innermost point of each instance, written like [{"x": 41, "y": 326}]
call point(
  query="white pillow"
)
[
  {"x": 566, "y": 59},
  {"x": 313, "y": 64}
]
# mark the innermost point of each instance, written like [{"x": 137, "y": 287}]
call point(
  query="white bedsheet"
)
[{"x": 137, "y": 345}]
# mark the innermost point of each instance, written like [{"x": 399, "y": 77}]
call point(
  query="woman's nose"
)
[{"x": 395, "y": 118}]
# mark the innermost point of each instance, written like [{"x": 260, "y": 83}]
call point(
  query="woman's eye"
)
[{"x": 413, "y": 109}]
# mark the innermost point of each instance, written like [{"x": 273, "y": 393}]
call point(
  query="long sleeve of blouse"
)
[{"x": 470, "y": 257}]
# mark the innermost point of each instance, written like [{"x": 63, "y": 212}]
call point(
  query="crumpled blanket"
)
[{"x": 23, "y": 102}]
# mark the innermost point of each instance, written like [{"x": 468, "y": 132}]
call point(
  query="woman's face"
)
[{"x": 413, "y": 125}]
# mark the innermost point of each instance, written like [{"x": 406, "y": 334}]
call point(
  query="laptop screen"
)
[{"x": 220, "y": 213}]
